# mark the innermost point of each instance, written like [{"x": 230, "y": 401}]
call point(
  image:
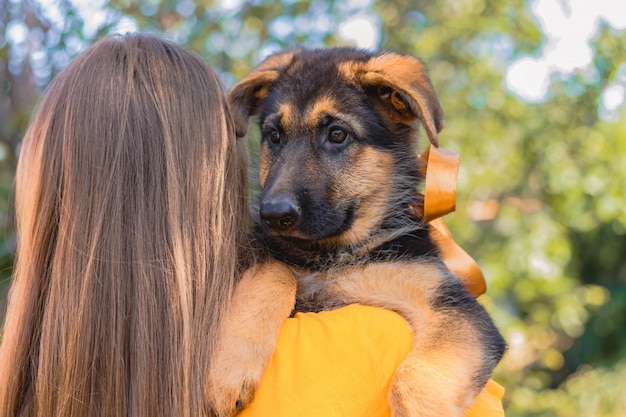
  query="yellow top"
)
[{"x": 339, "y": 364}]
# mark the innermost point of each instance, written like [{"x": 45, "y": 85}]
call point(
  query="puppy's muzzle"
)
[{"x": 281, "y": 212}]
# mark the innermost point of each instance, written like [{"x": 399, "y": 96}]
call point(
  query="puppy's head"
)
[{"x": 338, "y": 150}]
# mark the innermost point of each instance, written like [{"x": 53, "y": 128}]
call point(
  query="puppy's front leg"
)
[
  {"x": 438, "y": 376},
  {"x": 456, "y": 345},
  {"x": 263, "y": 299}
]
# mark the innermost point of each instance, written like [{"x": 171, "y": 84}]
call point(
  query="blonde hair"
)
[{"x": 130, "y": 202}]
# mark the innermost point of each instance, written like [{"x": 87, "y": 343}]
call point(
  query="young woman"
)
[
  {"x": 130, "y": 219},
  {"x": 131, "y": 222}
]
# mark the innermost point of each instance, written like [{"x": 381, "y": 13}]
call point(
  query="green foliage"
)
[{"x": 541, "y": 184}]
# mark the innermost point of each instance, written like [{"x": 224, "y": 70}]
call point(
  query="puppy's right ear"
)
[{"x": 246, "y": 97}]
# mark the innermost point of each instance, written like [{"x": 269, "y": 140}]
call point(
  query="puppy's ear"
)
[
  {"x": 246, "y": 96},
  {"x": 402, "y": 83}
]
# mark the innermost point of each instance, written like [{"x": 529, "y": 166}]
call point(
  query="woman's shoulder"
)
[{"x": 333, "y": 363}]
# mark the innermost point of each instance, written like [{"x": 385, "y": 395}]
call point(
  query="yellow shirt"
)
[{"x": 339, "y": 364}]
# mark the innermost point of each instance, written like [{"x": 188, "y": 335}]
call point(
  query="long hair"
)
[{"x": 131, "y": 218}]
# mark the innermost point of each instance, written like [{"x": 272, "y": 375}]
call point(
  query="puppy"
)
[{"x": 338, "y": 176}]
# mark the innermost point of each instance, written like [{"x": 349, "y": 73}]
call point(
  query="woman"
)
[
  {"x": 129, "y": 202},
  {"x": 131, "y": 220}
]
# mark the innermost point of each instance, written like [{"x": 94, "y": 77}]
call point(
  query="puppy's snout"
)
[{"x": 280, "y": 212}]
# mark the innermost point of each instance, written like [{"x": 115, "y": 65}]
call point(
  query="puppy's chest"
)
[{"x": 316, "y": 291}]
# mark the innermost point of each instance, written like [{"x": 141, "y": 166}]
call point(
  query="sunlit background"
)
[{"x": 533, "y": 93}]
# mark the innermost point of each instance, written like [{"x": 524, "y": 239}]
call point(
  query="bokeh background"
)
[{"x": 533, "y": 93}]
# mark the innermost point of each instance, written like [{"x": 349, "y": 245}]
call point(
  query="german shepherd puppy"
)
[{"x": 338, "y": 175}]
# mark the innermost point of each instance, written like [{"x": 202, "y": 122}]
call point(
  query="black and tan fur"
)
[{"x": 338, "y": 174}]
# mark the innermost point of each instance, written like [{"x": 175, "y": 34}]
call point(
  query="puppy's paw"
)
[
  {"x": 227, "y": 401},
  {"x": 235, "y": 376},
  {"x": 417, "y": 389}
]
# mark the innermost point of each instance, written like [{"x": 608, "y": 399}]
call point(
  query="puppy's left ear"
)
[{"x": 402, "y": 83}]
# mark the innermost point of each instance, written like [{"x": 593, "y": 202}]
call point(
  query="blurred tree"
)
[{"x": 541, "y": 183}]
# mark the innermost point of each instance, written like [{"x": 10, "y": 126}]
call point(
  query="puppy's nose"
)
[{"x": 280, "y": 212}]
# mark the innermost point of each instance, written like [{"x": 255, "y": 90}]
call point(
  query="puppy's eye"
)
[
  {"x": 273, "y": 136},
  {"x": 337, "y": 135}
]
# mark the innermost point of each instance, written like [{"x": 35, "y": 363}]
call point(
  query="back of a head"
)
[{"x": 129, "y": 197}]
